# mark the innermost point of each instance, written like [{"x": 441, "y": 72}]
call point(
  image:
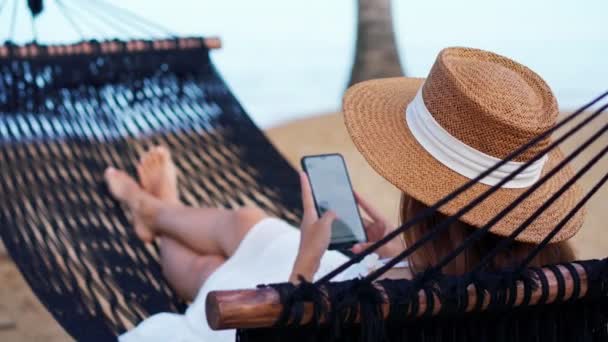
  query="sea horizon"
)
[{"x": 290, "y": 60}]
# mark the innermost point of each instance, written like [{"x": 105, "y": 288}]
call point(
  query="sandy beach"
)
[{"x": 22, "y": 317}]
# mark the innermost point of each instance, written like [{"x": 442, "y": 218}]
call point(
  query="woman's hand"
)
[
  {"x": 315, "y": 235},
  {"x": 376, "y": 228}
]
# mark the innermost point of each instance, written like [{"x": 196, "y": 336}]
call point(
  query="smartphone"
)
[{"x": 332, "y": 190}]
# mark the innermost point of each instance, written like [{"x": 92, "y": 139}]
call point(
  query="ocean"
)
[{"x": 291, "y": 59}]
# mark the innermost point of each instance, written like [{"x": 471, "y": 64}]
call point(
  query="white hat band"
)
[{"x": 461, "y": 157}]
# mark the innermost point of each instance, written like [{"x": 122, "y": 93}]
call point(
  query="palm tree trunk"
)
[{"x": 376, "y": 53}]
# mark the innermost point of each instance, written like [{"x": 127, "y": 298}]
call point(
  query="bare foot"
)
[
  {"x": 158, "y": 175},
  {"x": 125, "y": 189}
]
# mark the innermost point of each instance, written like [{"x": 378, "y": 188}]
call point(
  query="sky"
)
[{"x": 291, "y": 59}]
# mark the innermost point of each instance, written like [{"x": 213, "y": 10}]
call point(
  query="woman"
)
[{"x": 427, "y": 137}]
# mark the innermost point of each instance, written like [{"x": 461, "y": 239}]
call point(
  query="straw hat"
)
[{"x": 428, "y": 137}]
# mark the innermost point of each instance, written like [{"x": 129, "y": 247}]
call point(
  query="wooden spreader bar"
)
[
  {"x": 107, "y": 47},
  {"x": 258, "y": 308}
]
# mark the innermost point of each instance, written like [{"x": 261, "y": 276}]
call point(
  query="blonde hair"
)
[{"x": 433, "y": 251}]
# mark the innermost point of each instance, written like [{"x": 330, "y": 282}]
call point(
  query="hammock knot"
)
[
  {"x": 403, "y": 298},
  {"x": 453, "y": 292},
  {"x": 292, "y": 298},
  {"x": 36, "y": 7},
  {"x": 597, "y": 275},
  {"x": 358, "y": 295}
]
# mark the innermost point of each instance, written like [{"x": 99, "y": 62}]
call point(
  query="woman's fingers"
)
[
  {"x": 371, "y": 211},
  {"x": 327, "y": 219},
  {"x": 375, "y": 231},
  {"x": 320, "y": 232},
  {"x": 316, "y": 237},
  {"x": 360, "y": 247},
  {"x": 367, "y": 222},
  {"x": 386, "y": 251},
  {"x": 314, "y": 241},
  {"x": 308, "y": 204},
  {"x": 370, "y": 229}
]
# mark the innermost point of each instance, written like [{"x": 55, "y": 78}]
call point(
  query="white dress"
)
[{"x": 266, "y": 255}]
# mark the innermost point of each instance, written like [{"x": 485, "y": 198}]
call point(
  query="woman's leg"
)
[
  {"x": 203, "y": 230},
  {"x": 206, "y": 230},
  {"x": 185, "y": 270}
]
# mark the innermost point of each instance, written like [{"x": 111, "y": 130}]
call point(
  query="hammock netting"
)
[{"x": 65, "y": 115}]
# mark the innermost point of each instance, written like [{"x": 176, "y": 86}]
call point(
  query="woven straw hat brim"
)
[{"x": 374, "y": 113}]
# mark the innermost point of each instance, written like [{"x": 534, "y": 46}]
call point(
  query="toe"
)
[
  {"x": 162, "y": 152},
  {"x": 119, "y": 183},
  {"x": 141, "y": 174},
  {"x": 157, "y": 173},
  {"x": 151, "y": 158},
  {"x": 142, "y": 231},
  {"x": 109, "y": 172}
]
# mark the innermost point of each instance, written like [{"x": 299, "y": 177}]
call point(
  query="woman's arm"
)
[
  {"x": 305, "y": 267},
  {"x": 315, "y": 235}
]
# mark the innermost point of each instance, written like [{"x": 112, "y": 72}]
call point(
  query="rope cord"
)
[
  {"x": 68, "y": 16},
  {"x": 505, "y": 243},
  {"x": 563, "y": 222},
  {"x": 139, "y": 20},
  {"x": 11, "y": 34},
  {"x": 118, "y": 19},
  {"x": 33, "y": 27},
  {"x": 576, "y": 279},
  {"x": 35, "y": 6},
  {"x": 124, "y": 12},
  {"x": 484, "y": 230},
  {"x": 447, "y": 222},
  {"x": 106, "y": 23},
  {"x": 107, "y": 19},
  {"x": 432, "y": 209}
]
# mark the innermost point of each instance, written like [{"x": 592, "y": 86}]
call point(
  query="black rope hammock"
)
[
  {"x": 64, "y": 118},
  {"x": 67, "y": 112}
]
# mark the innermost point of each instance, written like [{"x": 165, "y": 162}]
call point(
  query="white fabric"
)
[
  {"x": 461, "y": 157},
  {"x": 265, "y": 255}
]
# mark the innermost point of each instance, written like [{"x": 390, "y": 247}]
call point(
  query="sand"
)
[{"x": 22, "y": 317}]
